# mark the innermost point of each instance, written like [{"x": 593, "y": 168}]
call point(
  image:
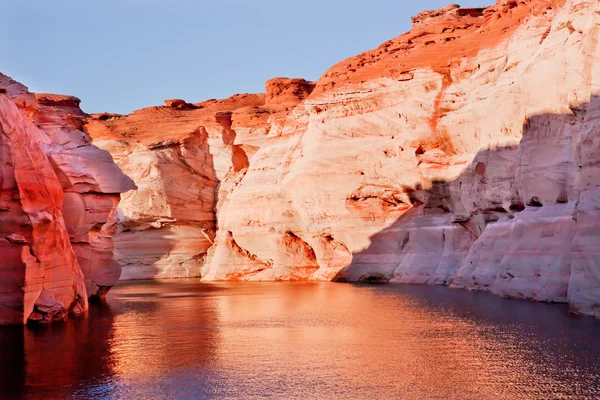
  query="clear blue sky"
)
[{"x": 122, "y": 55}]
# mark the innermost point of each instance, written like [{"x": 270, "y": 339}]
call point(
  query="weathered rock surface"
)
[
  {"x": 464, "y": 152},
  {"x": 179, "y": 104},
  {"x": 184, "y": 160},
  {"x": 57, "y": 193}
]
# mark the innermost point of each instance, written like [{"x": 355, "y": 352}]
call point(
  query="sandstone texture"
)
[
  {"x": 465, "y": 152},
  {"x": 184, "y": 159},
  {"x": 58, "y": 192}
]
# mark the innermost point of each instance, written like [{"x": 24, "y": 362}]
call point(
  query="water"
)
[{"x": 186, "y": 339}]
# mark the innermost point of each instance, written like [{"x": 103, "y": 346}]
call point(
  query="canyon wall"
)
[
  {"x": 184, "y": 158},
  {"x": 464, "y": 152},
  {"x": 58, "y": 192}
]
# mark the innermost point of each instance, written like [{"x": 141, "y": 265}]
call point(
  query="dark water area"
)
[{"x": 191, "y": 340}]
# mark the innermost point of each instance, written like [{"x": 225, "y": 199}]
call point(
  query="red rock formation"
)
[
  {"x": 440, "y": 40},
  {"x": 463, "y": 152},
  {"x": 184, "y": 161},
  {"x": 284, "y": 90},
  {"x": 48, "y": 167},
  {"x": 179, "y": 104}
]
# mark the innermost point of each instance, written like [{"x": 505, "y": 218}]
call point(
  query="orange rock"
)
[
  {"x": 285, "y": 90},
  {"x": 439, "y": 40},
  {"x": 408, "y": 163},
  {"x": 105, "y": 116},
  {"x": 44, "y": 160},
  {"x": 184, "y": 163},
  {"x": 179, "y": 104},
  {"x": 464, "y": 152}
]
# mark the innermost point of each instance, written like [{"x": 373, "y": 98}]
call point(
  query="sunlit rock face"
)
[
  {"x": 58, "y": 192},
  {"x": 184, "y": 158},
  {"x": 463, "y": 153}
]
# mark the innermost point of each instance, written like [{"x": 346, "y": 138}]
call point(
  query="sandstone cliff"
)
[
  {"x": 57, "y": 193},
  {"x": 464, "y": 152},
  {"x": 184, "y": 158}
]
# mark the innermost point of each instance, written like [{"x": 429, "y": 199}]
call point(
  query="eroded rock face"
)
[
  {"x": 450, "y": 155},
  {"x": 184, "y": 160},
  {"x": 463, "y": 153},
  {"x": 58, "y": 192},
  {"x": 285, "y": 90},
  {"x": 179, "y": 104}
]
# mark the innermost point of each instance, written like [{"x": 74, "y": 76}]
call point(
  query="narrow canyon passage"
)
[{"x": 420, "y": 220}]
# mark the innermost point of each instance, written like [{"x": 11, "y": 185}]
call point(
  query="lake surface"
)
[{"x": 187, "y": 340}]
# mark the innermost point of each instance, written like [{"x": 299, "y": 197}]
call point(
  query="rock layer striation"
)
[
  {"x": 464, "y": 152},
  {"x": 185, "y": 158},
  {"x": 58, "y": 192}
]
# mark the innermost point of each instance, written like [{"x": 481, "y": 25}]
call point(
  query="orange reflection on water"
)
[
  {"x": 186, "y": 339},
  {"x": 355, "y": 337}
]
